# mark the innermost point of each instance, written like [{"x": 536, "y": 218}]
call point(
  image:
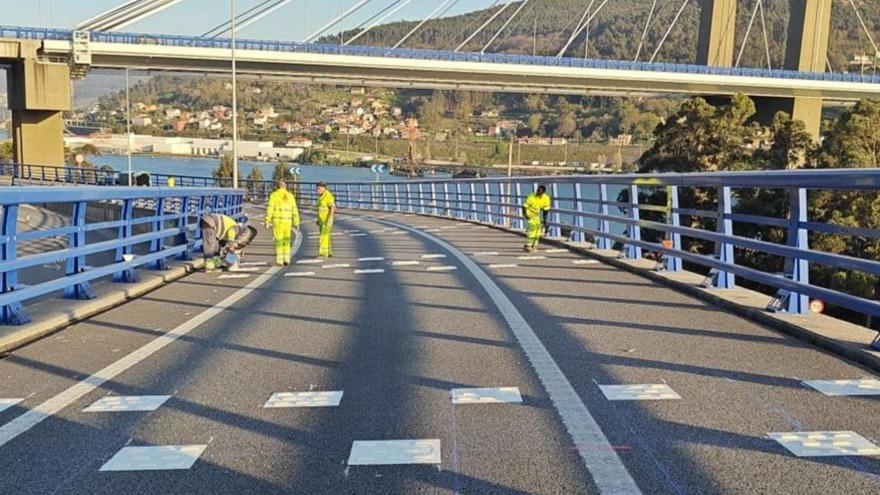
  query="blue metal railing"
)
[
  {"x": 612, "y": 211},
  {"x": 150, "y": 226},
  {"x": 21, "y": 32}
]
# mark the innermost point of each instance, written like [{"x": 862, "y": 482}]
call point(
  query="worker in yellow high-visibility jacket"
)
[
  {"x": 283, "y": 215},
  {"x": 326, "y": 212},
  {"x": 535, "y": 210}
]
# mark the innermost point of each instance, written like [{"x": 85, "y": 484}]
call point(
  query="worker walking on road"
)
[
  {"x": 326, "y": 211},
  {"x": 535, "y": 210},
  {"x": 283, "y": 215}
]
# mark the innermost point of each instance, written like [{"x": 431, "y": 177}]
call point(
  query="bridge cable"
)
[
  {"x": 423, "y": 21},
  {"x": 377, "y": 14},
  {"x": 103, "y": 16},
  {"x": 580, "y": 23},
  {"x": 766, "y": 40},
  {"x": 742, "y": 47},
  {"x": 471, "y": 23},
  {"x": 511, "y": 31},
  {"x": 666, "y": 35},
  {"x": 336, "y": 20},
  {"x": 216, "y": 31},
  {"x": 483, "y": 26},
  {"x": 400, "y": 5},
  {"x": 645, "y": 32},
  {"x": 134, "y": 14},
  {"x": 580, "y": 29},
  {"x": 504, "y": 26},
  {"x": 865, "y": 28}
]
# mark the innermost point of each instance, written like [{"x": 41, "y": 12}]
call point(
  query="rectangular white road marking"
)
[
  {"x": 486, "y": 253},
  {"x": 129, "y": 403},
  {"x": 362, "y": 260},
  {"x": 389, "y": 452},
  {"x": 246, "y": 269},
  {"x": 300, "y": 274},
  {"x": 337, "y": 265},
  {"x": 585, "y": 262},
  {"x": 7, "y": 403},
  {"x": 304, "y": 399},
  {"x": 825, "y": 443},
  {"x": 433, "y": 256},
  {"x": 529, "y": 258},
  {"x": 315, "y": 261},
  {"x": 161, "y": 458},
  {"x": 649, "y": 391},
  {"x": 868, "y": 386},
  {"x": 442, "y": 268},
  {"x": 406, "y": 263},
  {"x": 556, "y": 251},
  {"x": 398, "y": 232},
  {"x": 357, "y": 235},
  {"x": 448, "y": 227},
  {"x": 503, "y": 265},
  {"x": 365, "y": 272},
  {"x": 233, "y": 276},
  {"x": 254, "y": 263},
  {"x": 52, "y": 406},
  {"x": 378, "y": 231},
  {"x": 486, "y": 395}
]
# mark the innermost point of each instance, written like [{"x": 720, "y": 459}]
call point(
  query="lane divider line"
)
[
  {"x": 54, "y": 405},
  {"x": 601, "y": 460}
]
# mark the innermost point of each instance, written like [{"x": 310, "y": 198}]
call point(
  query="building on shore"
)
[{"x": 182, "y": 146}]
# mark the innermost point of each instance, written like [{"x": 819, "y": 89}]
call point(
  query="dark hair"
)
[
  {"x": 322, "y": 184},
  {"x": 542, "y": 187}
]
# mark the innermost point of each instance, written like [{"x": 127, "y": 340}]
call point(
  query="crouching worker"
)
[{"x": 224, "y": 240}]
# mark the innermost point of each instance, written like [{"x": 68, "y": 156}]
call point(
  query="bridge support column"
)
[
  {"x": 38, "y": 94},
  {"x": 715, "y": 46},
  {"x": 806, "y": 50}
]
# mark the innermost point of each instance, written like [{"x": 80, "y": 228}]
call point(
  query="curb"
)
[{"x": 14, "y": 338}]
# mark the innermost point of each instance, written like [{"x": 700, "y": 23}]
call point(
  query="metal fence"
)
[
  {"x": 623, "y": 212},
  {"x": 151, "y": 225},
  {"x": 21, "y": 32}
]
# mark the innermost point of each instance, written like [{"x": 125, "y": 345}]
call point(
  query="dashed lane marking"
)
[
  {"x": 376, "y": 258},
  {"x": 233, "y": 276},
  {"x": 585, "y": 262},
  {"x": 497, "y": 395},
  {"x": 246, "y": 269},
  {"x": 449, "y": 268},
  {"x": 160, "y": 458},
  {"x": 868, "y": 386},
  {"x": 556, "y": 251},
  {"x": 825, "y": 443},
  {"x": 299, "y": 274},
  {"x": 503, "y": 265},
  {"x": 128, "y": 403},
  {"x": 486, "y": 253},
  {"x": 357, "y": 235},
  {"x": 433, "y": 256},
  {"x": 52, "y": 406},
  {"x": 337, "y": 265},
  {"x": 607, "y": 470},
  {"x": 366, "y": 272},
  {"x": 648, "y": 391},
  {"x": 254, "y": 263},
  {"x": 406, "y": 263},
  {"x": 304, "y": 399},
  {"x": 315, "y": 261},
  {"x": 531, "y": 258},
  {"x": 392, "y": 452}
]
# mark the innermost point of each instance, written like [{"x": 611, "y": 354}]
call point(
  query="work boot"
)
[{"x": 527, "y": 249}]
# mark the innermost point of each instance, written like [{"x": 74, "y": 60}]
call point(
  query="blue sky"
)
[{"x": 194, "y": 17}]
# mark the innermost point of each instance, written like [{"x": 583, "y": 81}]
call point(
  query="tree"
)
[
  {"x": 255, "y": 175},
  {"x": 791, "y": 143},
  {"x": 6, "y": 151},
  {"x": 536, "y": 124},
  {"x": 224, "y": 171},
  {"x": 854, "y": 141},
  {"x": 567, "y": 124},
  {"x": 282, "y": 172}
]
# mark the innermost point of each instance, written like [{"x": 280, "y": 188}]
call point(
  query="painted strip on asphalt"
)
[
  {"x": 498, "y": 266},
  {"x": 365, "y": 272},
  {"x": 529, "y": 258},
  {"x": 406, "y": 263},
  {"x": 585, "y": 262},
  {"x": 608, "y": 472},
  {"x": 300, "y": 274},
  {"x": 486, "y": 253},
  {"x": 337, "y": 265},
  {"x": 233, "y": 276},
  {"x": 433, "y": 256},
  {"x": 377, "y": 258},
  {"x": 52, "y": 406},
  {"x": 449, "y": 268}
]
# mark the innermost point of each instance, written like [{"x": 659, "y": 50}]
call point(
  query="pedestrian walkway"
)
[{"x": 430, "y": 356}]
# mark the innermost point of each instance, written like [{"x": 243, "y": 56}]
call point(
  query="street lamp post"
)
[
  {"x": 234, "y": 103},
  {"x": 128, "y": 124}
]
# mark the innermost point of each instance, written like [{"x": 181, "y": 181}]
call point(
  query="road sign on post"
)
[{"x": 295, "y": 170}]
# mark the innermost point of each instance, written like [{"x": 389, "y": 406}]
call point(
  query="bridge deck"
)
[{"x": 395, "y": 343}]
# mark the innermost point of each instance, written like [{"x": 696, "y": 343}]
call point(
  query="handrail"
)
[
  {"x": 23, "y": 32},
  {"x": 153, "y": 225},
  {"x": 608, "y": 210}
]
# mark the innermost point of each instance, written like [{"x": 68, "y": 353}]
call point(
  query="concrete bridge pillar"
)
[
  {"x": 716, "y": 43},
  {"x": 39, "y": 91}
]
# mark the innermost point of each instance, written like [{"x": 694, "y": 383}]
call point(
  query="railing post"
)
[
  {"x": 14, "y": 313},
  {"x": 349, "y": 195},
  {"x": 77, "y": 264},
  {"x": 487, "y": 188},
  {"x": 673, "y": 263},
  {"x": 182, "y": 234},
  {"x": 520, "y": 222},
  {"x": 158, "y": 245},
  {"x": 397, "y": 197},
  {"x": 797, "y": 269},
  {"x": 633, "y": 251},
  {"x": 459, "y": 203},
  {"x": 555, "y": 229},
  {"x": 446, "y": 203},
  {"x": 603, "y": 242},
  {"x": 578, "y": 235},
  {"x": 126, "y": 275},
  {"x": 421, "y": 198},
  {"x": 434, "y": 208},
  {"x": 721, "y": 279}
]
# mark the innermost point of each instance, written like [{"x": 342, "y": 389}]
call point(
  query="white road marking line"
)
[
  {"x": 127, "y": 403},
  {"x": 406, "y": 263},
  {"x": 398, "y": 232},
  {"x": 608, "y": 472},
  {"x": 448, "y": 268},
  {"x": 496, "y": 395},
  {"x": 365, "y": 272},
  {"x": 585, "y": 262},
  {"x": 233, "y": 276},
  {"x": 448, "y": 227},
  {"x": 377, "y": 231},
  {"x": 304, "y": 399},
  {"x": 377, "y": 258},
  {"x": 486, "y": 253},
  {"x": 509, "y": 265},
  {"x": 299, "y": 274},
  {"x": 433, "y": 256},
  {"x": 7, "y": 403},
  {"x": 161, "y": 458},
  {"x": 868, "y": 386},
  {"x": 337, "y": 265},
  {"x": 253, "y": 263},
  {"x": 825, "y": 443},
  {"x": 246, "y": 269},
  {"x": 532, "y": 258},
  {"x": 556, "y": 251},
  {"x": 310, "y": 262},
  {"x": 357, "y": 235},
  {"x": 647, "y": 391},
  {"x": 52, "y": 406},
  {"x": 390, "y": 452}
]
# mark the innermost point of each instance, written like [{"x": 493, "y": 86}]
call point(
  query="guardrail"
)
[
  {"x": 641, "y": 213},
  {"x": 153, "y": 225},
  {"x": 21, "y": 32}
]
